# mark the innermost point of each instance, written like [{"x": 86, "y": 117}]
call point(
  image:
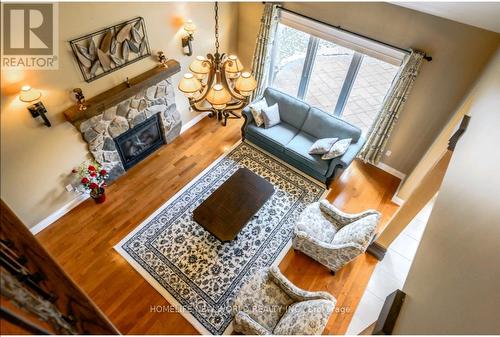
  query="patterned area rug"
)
[{"x": 193, "y": 270}]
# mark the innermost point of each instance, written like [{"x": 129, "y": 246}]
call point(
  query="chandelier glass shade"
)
[
  {"x": 245, "y": 84},
  {"x": 28, "y": 94},
  {"x": 189, "y": 85},
  {"x": 189, "y": 27},
  {"x": 234, "y": 68},
  {"x": 217, "y": 83},
  {"x": 218, "y": 96},
  {"x": 200, "y": 67}
]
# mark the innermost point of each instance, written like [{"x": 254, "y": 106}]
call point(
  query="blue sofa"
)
[{"x": 301, "y": 125}]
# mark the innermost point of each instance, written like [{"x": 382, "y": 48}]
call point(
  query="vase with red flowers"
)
[{"x": 93, "y": 180}]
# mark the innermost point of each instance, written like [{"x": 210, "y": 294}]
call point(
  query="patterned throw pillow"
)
[
  {"x": 338, "y": 149},
  {"x": 256, "y": 110},
  {"x": 322, "y": 146},
  {"x": 271, "y": 116}
]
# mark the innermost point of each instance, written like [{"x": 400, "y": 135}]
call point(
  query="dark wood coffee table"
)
[{"x": 229, "y": 208}]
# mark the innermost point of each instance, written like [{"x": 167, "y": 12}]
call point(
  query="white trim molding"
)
[
  {"x": 391, "y": 170},
  {"x": 193, "y": 121},
  {"x": 346, "y": 39},
  {"x": 82, "y": 197},
  {"x": 397, "y": 200},
  {"x": 58, "y": 214}
]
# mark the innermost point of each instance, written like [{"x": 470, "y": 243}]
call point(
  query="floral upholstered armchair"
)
[
  {"x": 270, "y": 304},
  {"x": 332, "y": 237}
]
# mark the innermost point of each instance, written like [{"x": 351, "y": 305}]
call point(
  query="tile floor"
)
[{"x": 390, "y": 274}]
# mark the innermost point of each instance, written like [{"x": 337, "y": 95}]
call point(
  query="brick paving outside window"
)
[
  {"x": 330, "y": 68},
  {"x": 370, "y": 87}
]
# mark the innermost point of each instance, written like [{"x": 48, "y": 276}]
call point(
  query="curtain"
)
[
  {"x": 391, "y": 108},
  {"x": 261, "y": 62}
]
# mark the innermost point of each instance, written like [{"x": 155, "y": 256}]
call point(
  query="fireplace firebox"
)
[{"x": 139, "y": 142}]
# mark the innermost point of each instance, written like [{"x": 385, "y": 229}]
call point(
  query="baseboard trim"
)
[
  {"x": 193, "y": 121},
  {"x": 397, "y": 200},
  {"x": 377, "y": 250},
  {"x": 80, "y": 198},
  {"x": 391, "y": 170},
  {"x": 58, "y": 214}
]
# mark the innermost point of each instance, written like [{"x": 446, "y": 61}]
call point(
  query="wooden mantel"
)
[{"x": 96, "y": 105}]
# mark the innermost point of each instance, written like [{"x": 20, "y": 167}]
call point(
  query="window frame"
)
[
  {"x": 361, "y": 47},
  {"x": 348, "y": 84},
  {"x": 345, "y": 39},
  {"x": 307, "y": 68}
]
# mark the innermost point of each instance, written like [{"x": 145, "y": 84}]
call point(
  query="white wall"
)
[
  {"x": 460, "y": 53},
  {"x": 36, "y": 160},
  {"x": 454, "y": 283}
]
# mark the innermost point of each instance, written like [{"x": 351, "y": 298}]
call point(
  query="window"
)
[
  {"x": 368, "y": 91},
  {"x": 340, "y": 73},
  {"x": 291, "y": 58},
  {"x": 328, "y": 73}
]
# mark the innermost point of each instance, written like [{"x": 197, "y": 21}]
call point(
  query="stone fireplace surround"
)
[{"x": 100, "y": 130}]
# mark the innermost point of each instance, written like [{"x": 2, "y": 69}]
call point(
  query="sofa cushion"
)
[
  {"x": 321, "y": 125},
  {"x": 358, "y": 233},
  {"x": 292, "y": 110},
  {"x": 262, "y": 299},
  {"x": 316, "y": 223},
  {"x": 298, "y": 149},
  {"x": 279, "y": 135},
  {"x": 305, "y": 318}
]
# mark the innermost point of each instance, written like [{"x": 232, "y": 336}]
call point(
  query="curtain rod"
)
[{"x": 426, "y": 57}]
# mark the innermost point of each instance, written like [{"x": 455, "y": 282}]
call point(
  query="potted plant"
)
[{"x": 93, "y": 180}]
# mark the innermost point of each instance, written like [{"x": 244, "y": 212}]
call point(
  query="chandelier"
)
[{"x": 217, "y": 83}]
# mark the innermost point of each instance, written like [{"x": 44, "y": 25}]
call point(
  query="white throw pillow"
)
[
  {"x": 322, "y": 146},
  {"x": 338, "y": 149},
  {"x": 271, "y": 116},
  {"x": 256, "y": 110}
]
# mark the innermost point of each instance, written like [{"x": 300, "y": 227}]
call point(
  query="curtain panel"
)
[
  {"x": 261, "y": 62},
  {"x": 391, "y": 108}
]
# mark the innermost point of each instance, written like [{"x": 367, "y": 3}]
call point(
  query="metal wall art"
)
[{"x": 110, "y": 49}]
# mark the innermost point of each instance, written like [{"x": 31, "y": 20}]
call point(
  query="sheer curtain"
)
[
  {"x": 262, "y": 55},
  {"x": 391, "y": 108}
]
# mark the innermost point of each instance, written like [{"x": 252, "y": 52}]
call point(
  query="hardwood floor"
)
[
  {"x": 82, "y": 241},
  {"x": 361, "y": 187}
]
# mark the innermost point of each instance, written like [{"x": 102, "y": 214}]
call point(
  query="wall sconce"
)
[
  {"x": 190, "y": 28},
  {"x": 28, "y": 94}
]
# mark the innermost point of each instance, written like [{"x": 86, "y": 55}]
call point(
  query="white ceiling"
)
[{"x": 484, "y": 15}]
